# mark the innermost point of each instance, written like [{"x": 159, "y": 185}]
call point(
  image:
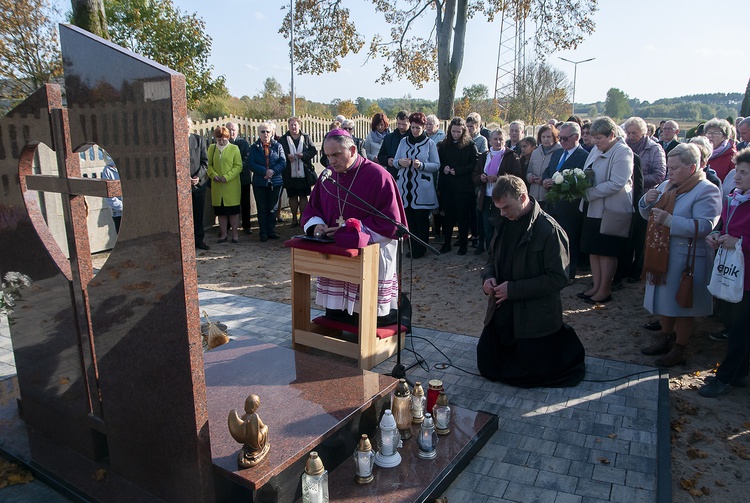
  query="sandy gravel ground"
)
[{"x": 710, "y": 437}]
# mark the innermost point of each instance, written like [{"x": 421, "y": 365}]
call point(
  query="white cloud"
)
[{"x": 249, "y": 66}]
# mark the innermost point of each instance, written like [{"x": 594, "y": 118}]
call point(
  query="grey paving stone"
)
[
  {"x": 594, "y": 489},
  {"x": 513, "y": 473},
  {"x": 456, "y": 495},
  {"x": 636, "y": 463},
  {"x": 516, "y": 457},
  {"x": 565, "y": 437},
  {"x": 548, "y": 463},
  {"x": 613, "y": 445},
  {"x": 491, "y": 487},
  {"x": 625, "y": 494},
  {"x": 556, "y": 482},
  {"x": 537, "y": 445},
  {"x": 608, "y": 419},
  {"x": 645, "y": 450},
  {"x": 581, "y": 468},
  {"x": 572, "y": 452},
  {"x": 480, "y": 465},
  {"x": 467, "y": 480},
  {"x": 605, "y": 473},
  {"x": 528, "y": 494},
  {"x": 568, "y": 498},
  {"x": 641, "y": 480}
]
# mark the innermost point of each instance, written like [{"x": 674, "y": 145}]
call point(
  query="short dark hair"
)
[
  {"x": 543, "y": 130},
  {"x": 403, "y": 114},
  {"x": 508, "y": 185},
  {"x": 742, "y": 156}
]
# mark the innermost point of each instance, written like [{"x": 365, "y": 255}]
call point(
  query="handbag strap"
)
[{"x": 690, "y": 259}]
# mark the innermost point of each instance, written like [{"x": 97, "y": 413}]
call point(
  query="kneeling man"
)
[{"x": 524, "y": 342}]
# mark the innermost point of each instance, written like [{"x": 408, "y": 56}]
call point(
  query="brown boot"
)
[
  {"x": 661, "y": 347},
  {"x": 676, "y": 356}
]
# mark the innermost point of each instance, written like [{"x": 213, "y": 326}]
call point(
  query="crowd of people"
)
[{"x": 655, "y": 210}]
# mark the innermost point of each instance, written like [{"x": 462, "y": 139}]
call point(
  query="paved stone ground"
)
[{"x": 596, "y": 442}]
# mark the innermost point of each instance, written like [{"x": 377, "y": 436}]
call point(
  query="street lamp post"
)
[
  {"x": 291, "y": 54},
  {"x": 575, "y": 74}
]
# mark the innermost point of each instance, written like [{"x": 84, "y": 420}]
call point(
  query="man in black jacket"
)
[
  {"x": 199, "y": 182},
  {"x": 390, "y": 142}
]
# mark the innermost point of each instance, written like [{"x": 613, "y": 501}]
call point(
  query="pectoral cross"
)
[{"x": 340, "y": 221}]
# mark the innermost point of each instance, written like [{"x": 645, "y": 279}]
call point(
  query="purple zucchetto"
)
[{"x": 338, "y": 132}]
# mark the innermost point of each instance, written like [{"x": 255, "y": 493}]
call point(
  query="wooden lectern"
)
[{"x": 360, "y": 266}]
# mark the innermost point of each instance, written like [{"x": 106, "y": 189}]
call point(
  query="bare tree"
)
[{"x": 541, "y": 93}]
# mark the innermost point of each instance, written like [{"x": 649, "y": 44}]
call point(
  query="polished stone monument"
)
[{"x": 110, "y": 367}]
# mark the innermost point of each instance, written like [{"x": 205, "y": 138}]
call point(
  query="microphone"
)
[{"x": 325, "y": 175}]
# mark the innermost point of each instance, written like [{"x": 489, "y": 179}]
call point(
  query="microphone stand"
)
[{"x": 399, "y": 371}]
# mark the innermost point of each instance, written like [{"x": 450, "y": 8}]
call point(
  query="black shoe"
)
[
  {"x": 202, "y": 246},
  {"x": 591, "y": 300},
  {"x": 273, "y": 235},
  {"x": 224, "y": 240},
  {"x": 280, "y": 220},
  {"x": 445, "y": 249},
  {"x": 248, "y": 230},
  {"x": 583, "y": 296},
  {"x": 263, "y": 239},
  {"x": 714, "y": 388},
  {"x": 653, "y": 325},
  {"x": 740, "y": 382},
  {"x": 722, "y": 336},
  {"x": 462, "y": 250},
  {"x": 235, "y": 241}
]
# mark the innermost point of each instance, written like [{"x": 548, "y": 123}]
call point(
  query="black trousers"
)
[
  {"x": 245, "y": 205},
  {"x": 199, "y": 203},
  {"x": 266, "y": 199},
  {"x": 419, "y": 225},
  {"x": 461, "y": 209},
  {"x": 736, "y": 363}
]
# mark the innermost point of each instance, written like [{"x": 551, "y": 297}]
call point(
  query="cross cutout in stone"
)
[{"x": 79, "y": 271}]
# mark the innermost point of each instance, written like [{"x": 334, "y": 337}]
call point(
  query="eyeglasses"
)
[
  {"x": 714, "y": 133},
  {"x": 264, "y": 131},
  {"x": 565, "y": 138},
  {"x": 348, "y": 128}
]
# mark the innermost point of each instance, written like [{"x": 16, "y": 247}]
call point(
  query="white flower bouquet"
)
[
  {"x": 10, "y": 291},
  {"x": 568, "y": 185}
]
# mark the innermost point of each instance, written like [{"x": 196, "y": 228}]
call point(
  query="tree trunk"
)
[
  {"x": 450, "y": 61},
  {"x": 89, "y": 15}
]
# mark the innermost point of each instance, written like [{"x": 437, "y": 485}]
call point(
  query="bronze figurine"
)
[{"x": 250, "y": 431}]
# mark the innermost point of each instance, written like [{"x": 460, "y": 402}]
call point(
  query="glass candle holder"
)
[
  {"x": 442, "y": 414},
  {"x": 418, "y": 403},
  {"x": 402, "y": 409},
  {"x": 364, "y": 460},
  {"x": 427, "y": 438},
  {"x": 388, "y": 442},
  {"x": 314, "y": 481}
]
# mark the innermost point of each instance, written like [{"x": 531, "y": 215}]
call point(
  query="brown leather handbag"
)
[{"x": 684, "y": 295}]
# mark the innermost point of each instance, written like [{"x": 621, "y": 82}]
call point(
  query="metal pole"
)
[
  {"x": 291, "y": 53},
  {"x": 575, "y": 76}
]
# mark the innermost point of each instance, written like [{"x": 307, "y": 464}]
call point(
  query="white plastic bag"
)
[{"x": 728, "y": 274}]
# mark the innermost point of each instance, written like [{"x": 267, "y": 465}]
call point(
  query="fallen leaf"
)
[
  {"x": 746, "y": 425},
  {"x": 603, "y": 461},
  {"x": 687, "y": 483},
  {"x": 694, "y": 453},
  {"x": 695, "y": 492},
  {"x": 705, "y": 490},
  {"x": 64, "y": 380},
  {"x": 719, "y": 483},
  {"x": 99, "y": 475},
  {"x": 612, "y": 435}
]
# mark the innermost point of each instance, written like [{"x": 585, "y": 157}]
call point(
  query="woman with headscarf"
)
[
  {"x": 299, "y": 151},
  {"x": 458, "y": 158},
  {"x": 267, "y": 161},
  {"x": 224, "y": 168},
  {"x": 417, "y": 163},
  {"x": 681, "y": 212}
]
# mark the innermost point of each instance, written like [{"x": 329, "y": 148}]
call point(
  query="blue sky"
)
[{"x": 648, "y": 49}]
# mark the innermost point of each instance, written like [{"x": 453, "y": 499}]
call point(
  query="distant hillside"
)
[{"x": 694, "y": 107}]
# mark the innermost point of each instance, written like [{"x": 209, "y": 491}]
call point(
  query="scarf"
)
[
  {"x": 494, "y": 158},
  {"x": 639, "y": 146},
  {"x": 297, "y": 167},
  {"x": 377, "y": 136},
  {"x": 722, "y": 148},
  {"x": 656, "y": 256},
  {"x": 418, "y": 139}
]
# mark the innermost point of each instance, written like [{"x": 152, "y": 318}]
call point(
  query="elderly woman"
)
[
  {"x": 705, "y": 148},
  {"x": 497, "y": 161},
  {"x": 417, "y": 163},
  {"x": 610, "y": 163},
  {"x": 224, "y": 168},
  {"x": 348, "y": 126},
  {"x": 539, "y": 160},
  {"x": 681, "y": 207},
  {"x": 717, "y": 131},
  {"x": 374, "y": 140},
  {"x": 458, "y": 158},
  {"x": 735, "y": 218},
  {"x": 587, "y": 142},
  {"x": 432, "y": 128},
  {"x": 299, "y": 151},
  {"x": 267, "y": 161}
]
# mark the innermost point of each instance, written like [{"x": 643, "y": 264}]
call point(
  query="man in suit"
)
[
  {"x": 668, "y": 136},
  {"x": 743, "y": 129},
  {"x": 567, "y": 214},
  {"x": 199, "y": 182}
]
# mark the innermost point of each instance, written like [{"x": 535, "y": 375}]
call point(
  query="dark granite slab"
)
[
  {"x": 305, "y": 399},
  {"x": 417, "y": 479}
]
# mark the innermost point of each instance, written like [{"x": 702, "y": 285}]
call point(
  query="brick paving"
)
[{"x": 596, "y": 442}]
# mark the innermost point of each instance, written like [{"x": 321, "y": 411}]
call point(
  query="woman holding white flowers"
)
[
  {"x": 571, "y": 156},
  {"x": 611, "y": 165}
]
